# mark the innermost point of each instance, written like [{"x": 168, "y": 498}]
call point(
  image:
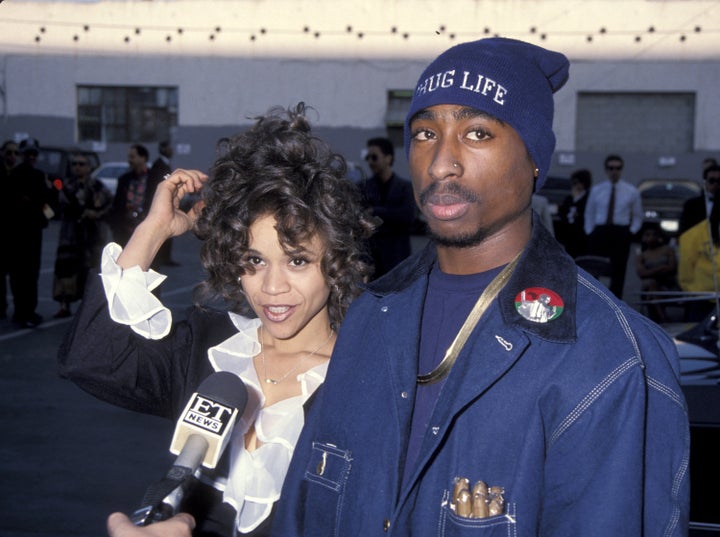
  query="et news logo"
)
[{"x": 208, "y": 414}]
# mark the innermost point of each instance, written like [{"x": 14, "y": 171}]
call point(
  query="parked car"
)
[
  {"x": 108, "y": 173},
  {"x": 700, "y": 370},
  {"x": 663, "y": 200}
]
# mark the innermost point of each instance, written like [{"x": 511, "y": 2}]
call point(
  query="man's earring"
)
[{"x": 537, "y": 172}]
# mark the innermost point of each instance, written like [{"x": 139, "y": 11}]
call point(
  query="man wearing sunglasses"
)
[
  {"x": 83, "y": 204},
  {"x": 391, "y": 199},
  {"x": 10, "y": 154},
  {"x": 613, "y": 214},
  {"x": 695, "y": 210}
]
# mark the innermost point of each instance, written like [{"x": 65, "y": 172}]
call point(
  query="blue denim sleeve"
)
[{"x": 618, "y": 464}]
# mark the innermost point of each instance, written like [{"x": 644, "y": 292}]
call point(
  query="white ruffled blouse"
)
[{"x": 255, "y": 477}]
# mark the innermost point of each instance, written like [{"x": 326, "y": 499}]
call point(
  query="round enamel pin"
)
[{"x": 538, "y": 304}]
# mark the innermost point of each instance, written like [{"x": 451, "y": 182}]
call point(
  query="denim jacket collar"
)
[{"x": 543, "y": 264}]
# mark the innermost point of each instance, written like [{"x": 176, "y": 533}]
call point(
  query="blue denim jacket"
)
[{"x": 580, "y": 420}]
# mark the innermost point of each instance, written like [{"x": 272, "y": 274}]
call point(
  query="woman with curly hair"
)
[{"x": 283, "y": 245}]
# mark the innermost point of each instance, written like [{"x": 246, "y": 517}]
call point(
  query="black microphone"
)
[{"x": 200, "y": 437}]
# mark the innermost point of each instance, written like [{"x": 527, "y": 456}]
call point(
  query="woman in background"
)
[{"x": 83, "y": 203}]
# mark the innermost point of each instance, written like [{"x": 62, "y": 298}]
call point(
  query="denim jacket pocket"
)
[
  {"x": 325, "y": 477},
  {"x": 453, "y": 525},
  {"x": 328, "y": 466}
]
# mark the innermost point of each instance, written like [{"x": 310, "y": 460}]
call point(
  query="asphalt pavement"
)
[{"x": 67, "y": 460}]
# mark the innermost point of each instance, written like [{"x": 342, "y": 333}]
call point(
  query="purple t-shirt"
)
[{"x": 449, "y": 300}]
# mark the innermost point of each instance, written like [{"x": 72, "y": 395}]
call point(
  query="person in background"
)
[
  {"x": 84, "y": 202},
  {"x": 572, "y": 214},
  {"x": 222, "y": 146},
  {"x": 709, "y": 161},
  {"x": 9, "y": 153},
  {"x": 29, "y": 213},
  {"x": 283, "y": 237},
  {"x": 656, "y": 266},
  {"x": 699, "y": 264},
  {"x": 487, "y": 385},
  {"x": 131, "y": 201},
  {"x": 697, "y": 209},
  {"x": 391, "y": 199},
  {"x": 159, "y": 169},
  {"x": 613, "y": 215}
]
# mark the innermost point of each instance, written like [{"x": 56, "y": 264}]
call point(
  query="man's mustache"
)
[{"x": 451, "y": 189}]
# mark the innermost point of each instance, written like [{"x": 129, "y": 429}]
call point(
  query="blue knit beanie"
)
[{"x": 511, "y": 80}]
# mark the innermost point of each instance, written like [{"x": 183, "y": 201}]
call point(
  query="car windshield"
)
[
  {"x": 112, "y": 170},
  {"x": 49, "y": 161},
  {"x": 669, "y": 189}
]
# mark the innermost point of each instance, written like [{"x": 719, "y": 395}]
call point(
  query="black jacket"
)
[
  {"x": 694, "y": 211},
  {"x": 106, "y": 359}
]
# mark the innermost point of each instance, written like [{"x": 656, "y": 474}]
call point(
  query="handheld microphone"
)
[{"x": 201, "y": 435}]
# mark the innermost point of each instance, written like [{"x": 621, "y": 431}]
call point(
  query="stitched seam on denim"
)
[
  {"x": 513, "y": 528},
  {"x": 591, "y": 397},
  {"x": 593, "y": 285},
  {"x": 677, "y": 481},
  {"x": 341, "y": 497},
  {"x": 334, "y": 485},
  {"x": 443, "y": 513},
  {"x": 511, "y": 515},
  {"x": 683, "y": 468},
  {"x": 618, "y": 313},
  {"x": 658, "y": 386},
  {"x": 667, "y": 391},
  {"x": 313, "y": 478}
]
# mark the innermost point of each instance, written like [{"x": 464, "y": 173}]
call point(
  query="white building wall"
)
[
  {"x": 701, "y": 77},
  {"x": 216, "y": 91},
  {"x": 346, "y": 93}
]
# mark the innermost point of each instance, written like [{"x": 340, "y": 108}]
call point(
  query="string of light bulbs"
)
[{"x": 169, "y": 33}]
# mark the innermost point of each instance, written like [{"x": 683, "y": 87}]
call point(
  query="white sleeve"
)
[
  {"x": 129, "y": 296},
  {"x": 637, "y": 216}
]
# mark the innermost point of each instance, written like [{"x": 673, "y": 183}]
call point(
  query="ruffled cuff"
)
[{"x": 129, "y": 296}]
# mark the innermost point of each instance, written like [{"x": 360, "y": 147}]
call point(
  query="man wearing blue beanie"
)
[{"x": 487, "y": 385}]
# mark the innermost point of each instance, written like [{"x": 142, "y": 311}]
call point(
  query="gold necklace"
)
[
  {"x": 268, "y": 380},
  {"x": 488, "y": 295}
]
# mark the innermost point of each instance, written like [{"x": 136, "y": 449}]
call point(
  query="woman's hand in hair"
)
[
  {"x": 165, "y": 211},
  {"x": 165, "y": 218}
]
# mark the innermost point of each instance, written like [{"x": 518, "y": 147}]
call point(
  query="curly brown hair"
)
[{"x": 279, "y": 168}]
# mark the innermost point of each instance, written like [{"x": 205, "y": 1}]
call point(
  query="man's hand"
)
[{"x": 181, "y": 525}]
